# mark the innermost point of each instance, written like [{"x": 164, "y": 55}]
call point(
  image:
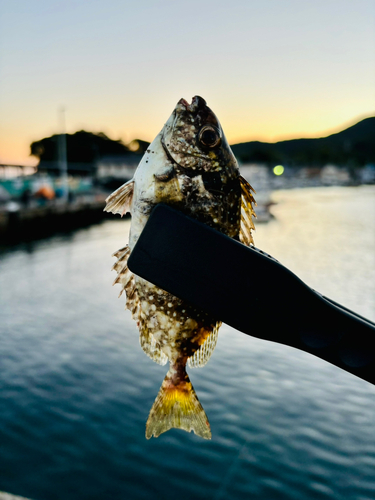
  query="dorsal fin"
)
[
  {"x": 126, "y": 279},
  {"x": 124, "y": 276},
  {"x": 247, "y": 212},
  {"x": 151, "y": 347},
  {"x": 119, "y": 202}
]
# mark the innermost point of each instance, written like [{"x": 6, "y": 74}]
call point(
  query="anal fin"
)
[{"x": 203, "y": 354}]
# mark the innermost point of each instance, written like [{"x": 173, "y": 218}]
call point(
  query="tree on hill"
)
[{"x": 82, "y": 147}]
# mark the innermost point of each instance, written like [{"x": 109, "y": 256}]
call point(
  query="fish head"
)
[{"x": 194, "y": 140}]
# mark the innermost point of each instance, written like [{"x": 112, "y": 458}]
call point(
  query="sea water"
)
[{"x": 76, "y": 387}]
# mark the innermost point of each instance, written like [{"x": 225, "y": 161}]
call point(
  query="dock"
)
[{"x": 19, "y": 221}]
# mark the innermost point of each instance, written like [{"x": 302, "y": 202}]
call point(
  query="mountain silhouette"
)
[{"x": 354, "y": 146}]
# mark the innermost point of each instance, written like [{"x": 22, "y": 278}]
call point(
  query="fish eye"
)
[{"x": 209, "y": 136}]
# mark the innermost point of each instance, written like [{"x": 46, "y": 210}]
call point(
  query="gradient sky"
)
[{"x": 270, "y": 69}]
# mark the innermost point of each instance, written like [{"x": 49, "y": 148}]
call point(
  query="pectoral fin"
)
[
  {"x": 247, "y": 212},
  {"x": 120, "y": 201}
]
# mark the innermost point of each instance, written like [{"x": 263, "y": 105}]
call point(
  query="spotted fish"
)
[{"x": 190, "y": 167}]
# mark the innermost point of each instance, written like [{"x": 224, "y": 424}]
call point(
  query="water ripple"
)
[{"x": 76, "y": 387}]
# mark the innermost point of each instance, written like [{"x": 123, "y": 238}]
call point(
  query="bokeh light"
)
[{"x": 278, "y": 170}]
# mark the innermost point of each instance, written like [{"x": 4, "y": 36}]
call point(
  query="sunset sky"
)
[{"x": 269, "y": 69}]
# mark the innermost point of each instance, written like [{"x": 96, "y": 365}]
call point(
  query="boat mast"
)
[{"x": 63, "y": 164}]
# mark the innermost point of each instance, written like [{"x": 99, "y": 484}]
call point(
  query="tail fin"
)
[{"x": 177, "y": 406}]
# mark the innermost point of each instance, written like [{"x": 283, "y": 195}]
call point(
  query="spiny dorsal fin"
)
[
  {"x": 126, "y": 279},
  {"x": 203, "y": 354},
  {"x": 124, "y": 276},
  {"x": 119, "y": 202},
  {"x": 247, "y": 212}
]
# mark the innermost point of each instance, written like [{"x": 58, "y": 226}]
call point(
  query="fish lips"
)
[{"x": 197, "y": 103}]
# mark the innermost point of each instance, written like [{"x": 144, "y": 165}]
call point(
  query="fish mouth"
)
[
  {"x": 184, "y": 103},
  {"x": 196, "y": 103}
]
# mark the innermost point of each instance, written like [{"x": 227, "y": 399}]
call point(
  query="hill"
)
[
  {"x": 82, "y": 147},
  {"x": 353, "y": 146}
]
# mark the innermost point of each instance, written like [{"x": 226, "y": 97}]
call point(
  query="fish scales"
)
[{"x": 190, "y": 167}]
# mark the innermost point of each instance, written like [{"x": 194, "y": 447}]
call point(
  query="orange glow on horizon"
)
[
  {"x": 15, "y": 145},
  {"x": 269, "y": 74}
]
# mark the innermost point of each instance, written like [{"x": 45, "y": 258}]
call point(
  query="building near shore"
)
[
  {"x": 117, "y": 167},
  {"x": 263, "y": 178},
  {"x": 108, "y": 167},
  {"x": 10, "y": 171}
]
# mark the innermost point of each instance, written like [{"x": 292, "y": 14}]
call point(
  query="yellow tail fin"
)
[{"x": 177, "y": 406}]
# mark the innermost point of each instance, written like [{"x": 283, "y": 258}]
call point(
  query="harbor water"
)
[{"x": 76, "y": 387}]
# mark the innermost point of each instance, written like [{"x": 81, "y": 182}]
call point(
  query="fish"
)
[{"x": 190, "y": 167}]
